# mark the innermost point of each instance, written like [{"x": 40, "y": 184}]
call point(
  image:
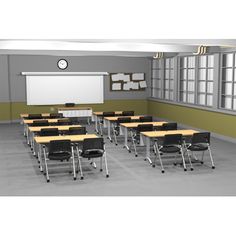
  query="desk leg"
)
[
  {"x": 96, "y": 124},
  {"x": 40, "y": 157},
  {"x": 24, "y": 129},
  {"x": 27, "y": 135},
  {"x": 148, "y": 141},
  {"x": 109, "y": 130},
  {"x": 126, "y": 138}
]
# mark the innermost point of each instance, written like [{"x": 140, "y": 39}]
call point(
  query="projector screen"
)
[{"x": 49, "y": 90}]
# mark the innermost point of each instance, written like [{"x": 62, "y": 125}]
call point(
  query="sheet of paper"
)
[
  {"x": 126, "y": 78},
  {"x": 116, "y": 86},
  {"x": 138, "y": 76},
  {"x": 134, "y": 85},
  {"x": 143, "y": 84},
  {"x": 126, "y": 86},
  {"x": 117, "y": 77}
]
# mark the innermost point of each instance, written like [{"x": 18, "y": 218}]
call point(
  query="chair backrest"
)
[
  {"x": 169, "y": 126},
  {"x": 93, "y": 144},
  {"x": 35, "y": 116},
  {"x": 123, "y": 120},
  {"x": 108, "y": 113},
  {"x": 60, "y": 146},
  {"x": 40, "y": 123},
  {"x": 128, "y": 113},
  {"x": 77, "y": 130},
  {"x": 144, "y": 128},
  {"x": 74, "y": 120},
  {"x": 64, "y": 122},
  {"x": 69, "y": 104},
  {"x": 203, "y": 137},
  {"x": 49, "y": 132},
  {"x": 172, "y": 139},
  {"x": 145, "y": 119},
  {"x": 56, "y": 115}
]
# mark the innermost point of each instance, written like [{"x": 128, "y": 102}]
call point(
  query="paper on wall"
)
[
  {"x": 126, "y": 86},
  {"x": 134, "y": 85},
  {"x": 143, "y": 84},
  {"x": 116, "y": 86},
  {"x": 138, "y": 76},
  {"x": 117, "y": 77}
]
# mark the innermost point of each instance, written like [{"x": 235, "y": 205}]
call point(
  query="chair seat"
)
[
  {"x": 60, "y": 156},
  {"x": 170, "y": 149},
  {"x": 198, "y": 147},
  {"x": 92, "y": 154}
]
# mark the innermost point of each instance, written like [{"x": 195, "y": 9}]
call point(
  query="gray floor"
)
[{"x": 129, "y": 176}]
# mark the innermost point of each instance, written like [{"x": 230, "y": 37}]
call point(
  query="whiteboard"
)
[{"x": 50, "y": 90}]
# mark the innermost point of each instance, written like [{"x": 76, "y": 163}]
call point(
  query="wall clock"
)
[{"x": 62, "y": 64}]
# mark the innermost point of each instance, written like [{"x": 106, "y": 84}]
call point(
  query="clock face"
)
[{"x": 62, "y": 64}]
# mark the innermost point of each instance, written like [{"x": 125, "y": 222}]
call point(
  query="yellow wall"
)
[
  {"x": 216, "y": 122},
  {"x": 139, "y": 106}
]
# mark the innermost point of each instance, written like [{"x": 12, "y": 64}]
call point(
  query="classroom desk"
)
[
  {"x": 34, "y": 129},
  {"x": 111, "y": 120},
  {"x": 26, "y": 115},
  {"x": 147, "y": 136},
  {"x": 125, "y": 127},
  {"x": 76, "y": 112},
  {"x": 40, "y": 141},
  {"x": 27, "y": 122},
  {"x": 97, "y": 115}
]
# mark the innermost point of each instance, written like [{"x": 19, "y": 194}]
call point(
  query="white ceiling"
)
[{"x": 112, "y": 47}]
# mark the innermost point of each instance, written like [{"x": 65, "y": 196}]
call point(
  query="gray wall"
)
[
  {"x": 23, "y": 63},
  {"x": 4, "y": 82}
]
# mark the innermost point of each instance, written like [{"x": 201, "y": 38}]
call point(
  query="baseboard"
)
[{"x": 214, "y": 135}]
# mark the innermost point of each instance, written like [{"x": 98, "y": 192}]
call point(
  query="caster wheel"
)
[
  {"x": 185, "y": 169},
  {"x": 153, "y": 166},
  {"x": 70, "y": 172},
  {"x": 111, "y": 141},
  {"x": 202, "y": 162},
  {"x": 213, "y": 167},
  {"x": 38, "y": 161},
  {"x": 82, "y": 177},
  {"x": 44, "y": 173},
  {"x": 101, "y": 170},
  {"x": 77, "y": 172},
  {"x": 129, "y": 151},
  {"x": 162, "y": 171},
  {"x": 107, "y": 176},
  {"x": 116, "y": 144},
  {"x": 136, "y": 155},
  {"x": 175, "y": 164},
  {"x": 191, "y": 169},
  {"x": 74, "y": 178},
  {"x": 48, "y": 180}
]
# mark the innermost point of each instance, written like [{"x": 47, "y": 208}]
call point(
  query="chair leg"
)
[
  {"x": 101, "y": 164},
  {"x": 182, "y": 155},
  {"x": 155, "y": 157},
  {"x": 100, "y": 127},
  {"x": 73, "y": 163},
  {"x": 159, "y": 155},
  {"x": 212, "y": 162},
  {"x": 202, "y": 157},
  {"x": 46, "y": 166},
  {"x": 189, "y": 158},
  {"x": 114, "y": 134},
  {"x": 133, "y": 142},
  {"x": 105, "y": 160},
  {"x": 79, "y": 166}
]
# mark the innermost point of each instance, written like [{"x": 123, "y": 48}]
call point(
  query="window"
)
[
  {"x": 205, "y": 80},
  {"x": 156, "y": 78},
  {"x": 228, "y": 84},
  {"x": 169, "y": 79},
  {"x": 187, "y": 79}
]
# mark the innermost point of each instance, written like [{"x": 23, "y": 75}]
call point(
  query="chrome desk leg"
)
[{"x": 148, "y": 141}]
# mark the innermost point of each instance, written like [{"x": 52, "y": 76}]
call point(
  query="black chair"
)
[
  {"x": 128, "y": 113},
  {"x": 56, "y": 115},
  {"x": 135, "y": 135},
  {"x": 116, "y": 126},
  {"x": 169, "y": 126},
  {"x": 200, "y": 142},
  {"x": 64, "y": 122},
  {"x": 69, "y": 104},
  {"x": 49, "y": 132},
  {"x": 145, "y": 119},
  {"x": 39, "y": 123},
  {"x": 76, "y": 131},
  {"x": 60, "y": 150},
  {"x": 74, "y": 120},
  {"x": 92, "y": 148},
  {"x": 101, "y": 121},
  {"x": 35, "y": 116},
  {"x": 172, "y": 143}
]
